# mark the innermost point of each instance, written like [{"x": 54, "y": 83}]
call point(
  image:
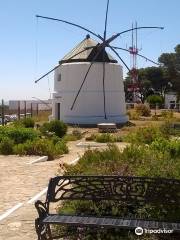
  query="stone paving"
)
[{"x": 20, "y": 182}]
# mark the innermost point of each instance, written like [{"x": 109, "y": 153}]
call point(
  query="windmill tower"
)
[{"x": 91, "y": 107}]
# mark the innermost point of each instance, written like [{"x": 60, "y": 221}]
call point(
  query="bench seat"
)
[
  {"x": 128, "y": 192},
  {"x": 108, "y": 222}
]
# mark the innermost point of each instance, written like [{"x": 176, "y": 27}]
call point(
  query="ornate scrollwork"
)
[
  {"x": 42, "y": 209},
  {"x": 43, "y": 230},
  {"x": 125, "y": 189}
]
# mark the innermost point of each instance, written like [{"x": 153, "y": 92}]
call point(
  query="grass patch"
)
[
  {"x": 74, "y": 136},
  {"x": 104, "y": 138}
]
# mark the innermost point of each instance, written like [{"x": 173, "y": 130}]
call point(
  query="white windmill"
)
[{"x": 88, "y": 82}]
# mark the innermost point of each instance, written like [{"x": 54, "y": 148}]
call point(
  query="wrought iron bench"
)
[{"x": 129, "y": 191}]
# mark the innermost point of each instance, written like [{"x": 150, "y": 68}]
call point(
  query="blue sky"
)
[{"x": 29, "y": 48}]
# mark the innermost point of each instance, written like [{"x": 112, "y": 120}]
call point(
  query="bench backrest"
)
[{"x": 130, "y": 190}]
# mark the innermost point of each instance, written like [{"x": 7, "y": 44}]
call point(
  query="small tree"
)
[{"x": 155, "y": 99}]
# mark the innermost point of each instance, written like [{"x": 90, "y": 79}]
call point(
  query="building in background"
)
[
  {"x": 43, "y": 105},
  {"x": 171, "y": 101}
]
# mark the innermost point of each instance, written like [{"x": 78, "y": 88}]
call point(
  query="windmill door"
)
[{"x": 58, "y": 110}]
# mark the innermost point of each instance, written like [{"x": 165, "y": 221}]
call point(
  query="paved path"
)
[{"x": 19, "y": 183}]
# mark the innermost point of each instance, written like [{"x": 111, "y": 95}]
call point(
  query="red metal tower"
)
[{"x": 133, "y": 50}]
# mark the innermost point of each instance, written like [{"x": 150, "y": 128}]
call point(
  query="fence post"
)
[
  {"x": 19, "y": 110},
  {"x": 2, "y": 112},
  {"x": 31, "y": 109},
  {"x": 37, "y": 109},
  {"x": 24, "y": 109}
]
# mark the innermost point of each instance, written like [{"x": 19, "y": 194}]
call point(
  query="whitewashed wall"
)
[{"x": 88, "y": 108}]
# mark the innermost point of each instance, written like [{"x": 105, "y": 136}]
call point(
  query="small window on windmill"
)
[{"x": 59, "y": 78}]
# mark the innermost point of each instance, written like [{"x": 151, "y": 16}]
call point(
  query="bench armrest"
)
[
  {"x": 42, "y": 209},
  {"x": 43, "y": 231}
]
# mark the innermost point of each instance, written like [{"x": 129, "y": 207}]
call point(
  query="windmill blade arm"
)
[
  {"x": 108, "y": 41},
  {"x": 136, "y": 28},
  {"x": 81, "y": 86},
  {"x": 46, "y": 74},
  {"x": 59, "y": 66},
  {"x": 104, "y": 93},
  {"x": 147, "y": 59},
  {"x": 117, "y": 54},
  {"x": 98, "y": 52},
  {"x": 106, "y": 19},
  {"x": 111, "y": 39},
  {"x": 70, "y": 23}
]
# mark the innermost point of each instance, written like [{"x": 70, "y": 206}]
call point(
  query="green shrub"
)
[
  {"x": 164, "y": 145},
  {"x": 41, "y": 147},
  {"x": 28, "y": 122},
  {"x": 155, "y": 99},
  {"x": 55, "y": 139},
  {"x": 61, "y": 148},
  {"x": 18, "y": 134},
  {"x": 104, "y": 138},
  {"x": 144, "y": 135},
  {"x": 6, "y": 146},
  {"x": 142, "y": 110},
  {"x": 107, "y": 138},
  {"x": 57, "y": 127},
  {"x": 25, "y": 122},
  {"x": 20, "y": 149},
  {"x": 97, "y": 162}
]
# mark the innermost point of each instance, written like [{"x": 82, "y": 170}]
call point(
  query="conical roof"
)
[{"x": 78, "y": 54}]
